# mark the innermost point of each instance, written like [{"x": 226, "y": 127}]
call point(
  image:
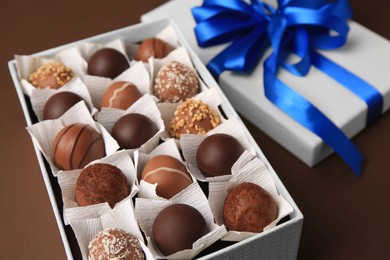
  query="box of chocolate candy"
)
[{"x": 143, "y": 156}]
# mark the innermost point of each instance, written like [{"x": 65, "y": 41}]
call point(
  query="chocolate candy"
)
[
  {"x": 193, "y": 117},
  {"x": 120, "y": 95},
  {"x": 217, "y": 153},
  {"x": 51, "y": 75},
  {"x": 169, "y": 173},
  {"x": 152, "y": 47},
  {"x": 115, "y": 243},
  {"x": 177, "y": 227},
  {"x": 101, "y": 182},
  {"x": 248, "y": 208},
  {"x": 133, "y": 130},
  {"x": 76, "y": 145},
  {"x": 108, "y": 63},
  {"x": 59, "y": 103},
  {"x": 175, "y": 82}
]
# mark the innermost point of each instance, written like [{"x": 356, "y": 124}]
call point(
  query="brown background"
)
[{"x": 345, "y": 217}]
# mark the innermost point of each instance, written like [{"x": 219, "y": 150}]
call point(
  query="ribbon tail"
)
[{"x": 301, "y": 110}]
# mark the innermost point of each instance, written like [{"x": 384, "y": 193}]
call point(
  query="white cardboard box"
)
[
  {"x": 280, "y": 242},
  {"x": 365, "y": 54}
]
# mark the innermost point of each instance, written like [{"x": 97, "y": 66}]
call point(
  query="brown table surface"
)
[{"x": 345, "y": 217}]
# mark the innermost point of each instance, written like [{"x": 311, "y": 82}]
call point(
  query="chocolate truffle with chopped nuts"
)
[
  {"x": 51, "y": 75},
  {"x": 175, "y": 82},
  {"x": 193, "y": 117}
]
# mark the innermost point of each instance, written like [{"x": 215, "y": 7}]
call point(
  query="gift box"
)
[
  {"x": 279, "y": 242},
  {"x": 365, "y": 54}
]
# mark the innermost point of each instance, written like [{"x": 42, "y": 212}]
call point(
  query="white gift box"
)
[
  {"x": 280, "y": 242},
  {"x": 366, "y": 54}
]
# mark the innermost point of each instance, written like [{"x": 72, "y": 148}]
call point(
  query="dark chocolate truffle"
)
[
  {"x": 133, "y": 130},
  {"x": 169, "y": 173},
  {"x": 115, "y": 243},
  {"x": 76, "y": 145},
  {"x": 177, "y": 227},
  {"x": 249, "y": 208},
  {"x": 101, "y": 182},
  {"x": 217, "y": 153},
  {"x": 120, "y": 95},
  {"x": 59, "y": 103},
  {"x": 51, "y": 75},
  {"x": 193, "y": 117},
  {"x": 153, "y": 47},
  {"x": 175, "y": 82},
  {"x": 108, "y": 63}
]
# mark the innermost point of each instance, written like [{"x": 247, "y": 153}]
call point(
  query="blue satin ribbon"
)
[{"x": 298, "y": 27}]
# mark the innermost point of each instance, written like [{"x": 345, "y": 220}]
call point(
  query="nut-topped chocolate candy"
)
[
  {"x": 153, "y": 47},
  {"x": 108, "y": 63},
  {"x": 175, "y": 82},
  {"x": 217, "y": 153},
  {"x": 59, "y": 103},
  {"x": 120, "y": 95},
  {"x": 51, "y": 75},
  {"x": 193, "y": 117}
]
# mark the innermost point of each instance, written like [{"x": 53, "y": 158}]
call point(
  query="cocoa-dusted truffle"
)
[
  {"x": 108, "y": 63},
  {"x": 153, "y": 47},
  {"x": 175, "y": 82},
  {"x": 101, "y": 182},
  {"x": 120, "y": 95},
  {"x": 193, "y": 117},
  {"x": 217, "y": 153},
  {"x": 59, "y": 103},
  {"x": 76, "y": 145},
  {"x": 177, "y": 227},
  {"x": 115, "y": 243},
  {"x": 133, "y": 130},
  {"x": 248, "y": 207},
  {"x": 51, "y": 75},
  {"x": 169, "y": 173}
]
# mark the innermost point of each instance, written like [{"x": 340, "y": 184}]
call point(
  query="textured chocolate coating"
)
[
  {"x": 115, "y": 243},
  {"x": 248, "y": 207},
  {"x": 217, "y": 153},
  {"x": 101, "y": 182},
  {"x": 193, "y": 117},
  {"x": 133, "y": 130},
  {"x": 175, "y": 82},
  {"x": 177, "y": 227},
  {"x": 59, "y": 103},
  {"x": 108, "y": 63},
  {"x": 51, "y": 75},
  {"x": 76, "y": 145},
  {"x": 169, "y": 173},
  {"x": 120, "y": 95},
  {"x": 153, "y": 47}
]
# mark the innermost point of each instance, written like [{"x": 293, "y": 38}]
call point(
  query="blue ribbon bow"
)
[{"x": 296, "y": 26}]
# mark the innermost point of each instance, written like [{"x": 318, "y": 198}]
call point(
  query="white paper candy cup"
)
[
  {"x": 255, "y": 172},
  {"x": 67, "y": 181},
  {"x": 146, "y": 211},
  {"x": 44, "y": 132}
]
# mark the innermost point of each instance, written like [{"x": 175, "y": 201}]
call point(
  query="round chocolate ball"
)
[
  {"x": 51, "y": 75},
  {"x": 249, "y": 208},
  {"x": 115, "y": 243},
  {"x": 177, "y": 227},
  {"x": 59, "y": 103},
  {"x": 193, "y": 117},
  {"x": 153, "y": 47},
  {"x": 120, "y": 95},
  {"x": 108, "y": 63},
  {"x": 169, "y": 173},
  {"x": 133, "y": 130},
  {"x": 101, "y": 182},
  {"x": 76, "y": 145},
  {"x": 175, "y": 82},
  {"x": 217, "y": 153}
]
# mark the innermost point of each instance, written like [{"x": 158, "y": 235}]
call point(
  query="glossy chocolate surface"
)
[
  {"x": 153, "y": 47},
  {"x": 59, "y": 103},
  {"x": 120, "y": 95},
  {"x": 108, "y": 63}
]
